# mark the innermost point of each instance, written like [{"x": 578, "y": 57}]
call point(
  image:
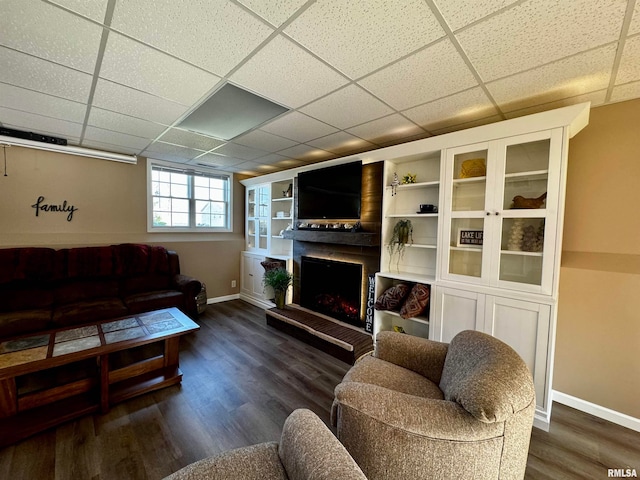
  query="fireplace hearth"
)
[{"x": 332, "y": 288}]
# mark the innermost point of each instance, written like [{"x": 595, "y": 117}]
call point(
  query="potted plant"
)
[
  {"x": 280, "y": 279},
  {"x": 401, "y": 236}
]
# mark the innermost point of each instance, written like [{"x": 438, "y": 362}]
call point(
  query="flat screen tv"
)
[{"x": 331, "y": 193}]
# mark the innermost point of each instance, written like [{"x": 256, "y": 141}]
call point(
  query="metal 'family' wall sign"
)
[{"x": 64, "y": 207}]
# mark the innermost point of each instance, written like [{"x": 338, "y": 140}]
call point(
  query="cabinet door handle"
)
[
  {"x": 497, "y": 213},
  {"x": 488, "y": 213}
]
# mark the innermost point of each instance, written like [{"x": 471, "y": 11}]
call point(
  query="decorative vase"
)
[{"x": 280, "y": 298}]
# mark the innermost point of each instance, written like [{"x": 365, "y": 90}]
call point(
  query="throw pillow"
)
[
  {"x": 392, "y": 297},
  {"x": 416, "y": 302}
]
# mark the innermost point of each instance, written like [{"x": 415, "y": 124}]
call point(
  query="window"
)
[{"x": 187, "y": 200}]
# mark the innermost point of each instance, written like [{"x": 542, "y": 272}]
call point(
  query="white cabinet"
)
[
  {"x": 523, "y": 325},
  {"x": 252, "y": 273},
  {"x": 500, "y": 222},
  {"x": 281, "y": 217},
  {"x": 257, "y": 219}
]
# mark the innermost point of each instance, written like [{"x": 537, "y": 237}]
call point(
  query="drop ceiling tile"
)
[
  {"x": 347, "y": 107},
  {"x": 596, "y": 99},
  {"x": 30, "y": 122},
  {"x": 360, "y": 37},
  {"x": 286, "y": 74},
  {"x": 135, "y": 65},
  {"x": 121, "y": 99},
  {"x": 629, "y": 69},
  {"x": 239, "y": 151},
  {"x": 107, "y": 147},
  {"x": 459, "y": 108},
  {"x": 33, "y": 73},
  {"x": 432, "y": 73},
  {"x": 464, "y": 126},
  {"x": 116, "y": 138},
  {"x": 264, "y": 141},
  {"x": 274, "y": 11},
  {"x": 535, "y": 33},
  {"x": 342, "y": 143},
  {"x": 626, "y": 92},
  {"x": 306, "y": 152},
  {"x": 94, "y": 9},
  {"x": 634, "y": 27},
  {"x": 50, "y": 33},
  {"x": 118, "y": 122},
  {"x": 290, "y": 163},
  {"x": 271, "y": 159},
  {"x": 459, "y": 13},
  {"x": 214, "y": 160},
  {"x": 41, "y": 104},
  {"x": 583, "y": 73},
  {"x": 386, "y": 129},
  {"x": 299, "y": 127},
  {"x": 190, "y": 139},
  {"x": 167, "y": 151},
  {"x": 213, "y": 35}
]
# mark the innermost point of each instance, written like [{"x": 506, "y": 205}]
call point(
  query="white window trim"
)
[{"x": 151, "y": 229}]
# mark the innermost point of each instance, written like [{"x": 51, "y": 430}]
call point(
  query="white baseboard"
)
[
  {"x": 597, "y": 411},
  {"x": 264, "y": 304},
  {"x": 225, "y": 298}
]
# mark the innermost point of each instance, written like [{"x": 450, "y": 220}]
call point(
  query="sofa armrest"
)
[
  {"x": 441, "y": 419},
  {"x": 190, "y": 287},
  {"x": 308, "y": 450},
  {"x": 257, "y": 462},
  {"x": 423, "y": 356}
]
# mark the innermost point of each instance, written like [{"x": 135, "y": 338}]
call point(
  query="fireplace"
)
[{"x": 332, "y": 288}]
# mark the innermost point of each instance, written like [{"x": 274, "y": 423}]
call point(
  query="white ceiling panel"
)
[
  {"x": 629, "y": 69},
  {"x": 596, "y": 98},
  {"x": 463, "y": 126},
  {"x": 386, "y": 129},
  {"x": 135, "y": 65},
  {"x": 167, "y": 151},
  {"x": 264, "y": 141},
  {"x": 342, "y": 143},
  {"x": 347, "y": 107},
  {"x": 271, "y": 159},
  {"x": 626, "y": 92},
  {"x": 116, "y": 138},
  {"x": 635, "y": 20},
  {"x": 214, "y": 35},
  {"x": 218, "y": 160},
  {"x": 275, "y": 12},
  {"x": 118, "y": 122},
  {"x": 307, "y": 152},
  {"x": 41, "y": 104},
  {"x": 93, "y": 9},
  {"x": 190, "y": 139},
  {"x": 118, "y": 98},
  {"x": 459, "y": 108},
  {"x": 569, "y": 77},
  {"x": 50, "y": 33},
  {"x": 459, "y": 13},
  {"x": 37, "y": 123},
  {"x": 430, "y": 74},
  {"x": 299, "y": 127},
  {"x": 32, "y": 73},
  {"x": 239, "y": 151},
  {"x": 285, "y": 73},
  {"x": 359, "y": 37},
  {"x": 535, "y": 33}
]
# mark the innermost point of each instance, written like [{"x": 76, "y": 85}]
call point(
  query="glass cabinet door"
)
[{"x": 257, "y": 233}]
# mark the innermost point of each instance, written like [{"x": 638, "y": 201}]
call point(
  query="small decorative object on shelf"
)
[
  {"x": 522, "y": 202},
  {"x": 288, "y": 192},
  {"x": 401, "y": 236},
  {"x": 428, "y": 208},
  {"x": 529, "y": 239},
  {"x": 409, "y": 178},
  {"x": 515, "y": 235},
  {"x": 540, "y": 237},
  {"x": 474, "y": 167},
  {"x": 394, "y": 184},
  {"x": 398, "y": 328}
]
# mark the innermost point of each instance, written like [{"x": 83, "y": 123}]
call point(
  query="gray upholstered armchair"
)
[
  {"x": 307, "y": 451},
  {"x": 422, "y": 409}
]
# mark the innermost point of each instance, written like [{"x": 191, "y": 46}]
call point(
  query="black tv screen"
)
[{"x": 330, "y": 193}]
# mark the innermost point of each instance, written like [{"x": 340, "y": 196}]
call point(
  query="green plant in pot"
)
[
  {"x": 280, "y": 279},
  {"x": 401, "y": 236}
]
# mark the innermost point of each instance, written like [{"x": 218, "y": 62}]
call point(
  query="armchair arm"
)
[
  {"x": 190, "y": 287},
  {"x": 425, "y": 417},
  {"x": 423, "y": 356}
]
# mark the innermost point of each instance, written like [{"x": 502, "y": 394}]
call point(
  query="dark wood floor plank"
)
[{"x": 241, "y": 380}]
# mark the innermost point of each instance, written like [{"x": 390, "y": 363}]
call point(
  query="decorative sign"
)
[
  {"x": 469, "y": 237},
  {"x": 40, "y": 206},
  {"x": 371, "y": 300}
]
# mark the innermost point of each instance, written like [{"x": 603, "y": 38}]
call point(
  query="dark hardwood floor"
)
[{"x": 241, "y": 380}]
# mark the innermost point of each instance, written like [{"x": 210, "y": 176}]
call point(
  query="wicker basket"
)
[
  {"x": 475, "y": 167},
  {"x": 201, "y": 299}
]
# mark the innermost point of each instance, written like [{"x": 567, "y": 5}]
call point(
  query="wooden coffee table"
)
[{"x": 54, "y": 376}]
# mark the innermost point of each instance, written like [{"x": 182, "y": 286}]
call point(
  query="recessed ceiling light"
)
[{"x": 231, "y": 111}]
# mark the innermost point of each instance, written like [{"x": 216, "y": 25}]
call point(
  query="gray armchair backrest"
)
[{"x": 486, "y": 377}]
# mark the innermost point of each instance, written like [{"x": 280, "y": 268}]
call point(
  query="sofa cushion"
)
[
  {"x": 416, "y": 302},
  {"x": 24, "y": 321},
  {"x": 22, "y": 297},
  {"x": 373, "y": 371},
  {"x": 28, "y": 264},
  {"x": 132, "y": 259},
  {"x": 144, "y": 302},
  {"x": 88, "y": 311},
  {"x": 87, "y": 262},
  {"x": 144, "y": 283},
  {"x": 83, "y": 290}
]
